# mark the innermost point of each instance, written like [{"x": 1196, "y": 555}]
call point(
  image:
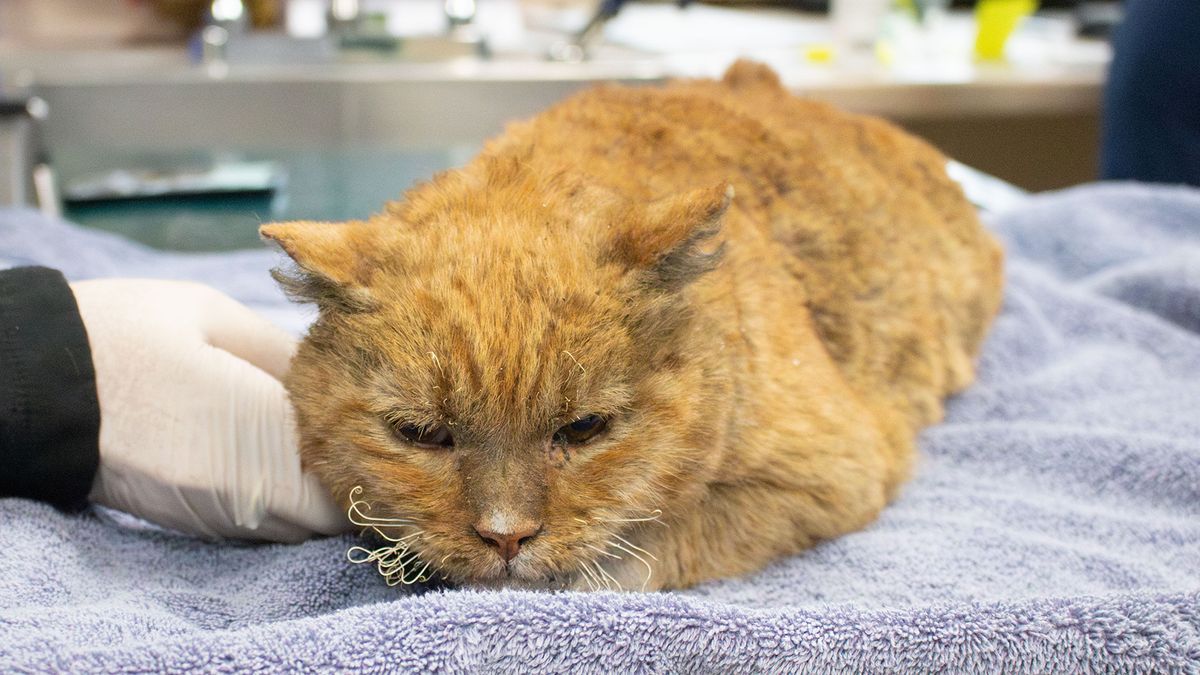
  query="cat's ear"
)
[
  {"x": 672, "y": 241},
  {"x": 333, "y": 266}
]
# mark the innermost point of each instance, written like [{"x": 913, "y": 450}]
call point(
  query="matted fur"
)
[{"x": 766, "y": 296}]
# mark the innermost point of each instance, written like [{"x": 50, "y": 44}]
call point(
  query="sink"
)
[
  {"x": 356, "y": 129},
  {"x": 351, "y": 127},
  {"x": 325, "y": 184},
  {"x": 347, "y": 144},
  {"x": 348, "y": 137},
  {"x": 295, "y": 108}
]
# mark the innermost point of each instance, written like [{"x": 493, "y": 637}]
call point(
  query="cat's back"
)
[
  {"x": 902, "y": 279},
  {"x": 898, "y": 276}
]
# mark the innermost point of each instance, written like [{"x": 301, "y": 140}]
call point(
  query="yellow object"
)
[
  {"x": 997, "y": 19},
  {"x": 819, "y": 53},
  {"x": 885, "y": 52}
]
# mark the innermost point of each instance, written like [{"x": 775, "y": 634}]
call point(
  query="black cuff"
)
[{"x": 49, "y": 413}]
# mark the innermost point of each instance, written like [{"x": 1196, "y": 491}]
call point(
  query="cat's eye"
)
[
  {"x": 581, "y": 430},
  {"x": 436, "y": 436}
]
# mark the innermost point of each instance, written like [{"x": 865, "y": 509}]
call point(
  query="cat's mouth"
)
[
  {"x": 611, "y": 562},
  {"x": 416, "y": 561},
  {"x": 534, "y": 568},
  {"x": 405, "y": 554},
  {"x": 603, "y": 560}
]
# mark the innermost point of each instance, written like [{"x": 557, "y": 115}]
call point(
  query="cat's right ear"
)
[{"x": 333, "y": 267}]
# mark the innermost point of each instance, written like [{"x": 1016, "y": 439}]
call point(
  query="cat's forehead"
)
[{"x": 525, "y": 349}]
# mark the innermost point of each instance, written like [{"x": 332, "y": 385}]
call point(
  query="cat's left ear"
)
[
  {"x": 672, "y": 240},
  {"x": 333, "y": 260}
]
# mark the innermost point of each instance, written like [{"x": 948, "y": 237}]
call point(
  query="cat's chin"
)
[
  {"x": 519, "y": 577},
  {"x": 515, "y": 583}
]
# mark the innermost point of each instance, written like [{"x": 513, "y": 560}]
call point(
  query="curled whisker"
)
[
  {"x": 419, "y": 575},
  {"x": 649, "y": 569},
  {"x": 396, "y": 561},
  {"x": 577, "y": 363},
  {"x": 635, "y": 547},
  {"x": 358, "y": 516},
  {"x": 589, "y": 577},
  {"x": 603, "y": 552},
  {"x": 386, "y": 537},
  {"x": 654, "y": 515},
  {"x": 601, "y": 582},
  {"x": 392, "y": 563},
  {"x": 392, "y": 556},
  {"x": 368, "y": 555},
  {"x": 364, "y": 520},
  {"x": 400, "y": 540},
  {"x": 623, "y": 544},
  {"x": 615, "y": 585}
]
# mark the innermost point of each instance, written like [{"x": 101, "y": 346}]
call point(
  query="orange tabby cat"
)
[{"x": 650, "y": 337}]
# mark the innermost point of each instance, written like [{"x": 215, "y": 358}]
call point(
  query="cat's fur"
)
[{"x": 767, "y": 296}]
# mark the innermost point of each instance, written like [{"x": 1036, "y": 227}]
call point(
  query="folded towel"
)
[{"x": 1053, "y": 522}]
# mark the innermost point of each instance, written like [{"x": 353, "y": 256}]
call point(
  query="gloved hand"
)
[{"x": 196, "y": 430}]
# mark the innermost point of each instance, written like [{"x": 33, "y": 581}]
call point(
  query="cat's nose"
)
[{"x": 509, "y": 542}]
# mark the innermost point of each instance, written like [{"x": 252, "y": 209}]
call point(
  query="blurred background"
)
[{"x": 185, "y": 123}]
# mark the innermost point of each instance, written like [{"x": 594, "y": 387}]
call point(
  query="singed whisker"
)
[
  {"x": 396, "y": 540},
  {"x": 608, "y": 577},
  {"x": 623, "y": 544},
  {"x": 601, "y": 582},
  {"x": 395, "y": 561},
  {"x": 603, "y": 552},
  {"x": 577, "y": 363},
  {"x": 419, "y": 576},
  {"x": 654, "y": 515},
  {"x": 358, "y": 516},
  {"x": 649, "y": 569},
  {"x": 589, "y": 576},
  {"x": 635, "y": 547},
  {"x": 359, "y": 549},
  {"x": 389, "y": 556},
  {"x": 364, "y": 520},
  {"x": 406, "y": 537}
]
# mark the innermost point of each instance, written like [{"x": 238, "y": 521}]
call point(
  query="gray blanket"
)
[{"x": 1053, "y": 523}]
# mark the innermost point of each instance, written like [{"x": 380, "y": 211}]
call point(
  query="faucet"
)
[
  {"x": 344, "y": 17},
  {"x": 26, "y": 178},
  {"x": 578, "y": 47},
  {"x": 225, "y": 19}
]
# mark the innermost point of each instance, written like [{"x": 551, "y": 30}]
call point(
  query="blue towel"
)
[{"x": 1053, "y": 523}]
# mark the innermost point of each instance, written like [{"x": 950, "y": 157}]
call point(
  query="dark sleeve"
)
[
  {"x": 49, "y": 414},
  {"x": 1151, "y": 121}
]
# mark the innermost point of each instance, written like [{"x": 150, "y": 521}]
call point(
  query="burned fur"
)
[{"x": 763, "y": 361}]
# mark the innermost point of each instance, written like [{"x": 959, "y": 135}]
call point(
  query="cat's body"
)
[{"x": 761, "y": 397}]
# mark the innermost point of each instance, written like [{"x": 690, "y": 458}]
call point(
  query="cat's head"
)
[{"x": 511, "y": 366}]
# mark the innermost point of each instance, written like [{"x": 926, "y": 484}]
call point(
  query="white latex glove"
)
[{"x": 196, "y": 430}]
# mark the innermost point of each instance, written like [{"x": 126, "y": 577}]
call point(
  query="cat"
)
[{"x": 648, "y": 338}]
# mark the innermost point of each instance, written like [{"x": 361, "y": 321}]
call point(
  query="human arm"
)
[{"x": 195, "y": 431}]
